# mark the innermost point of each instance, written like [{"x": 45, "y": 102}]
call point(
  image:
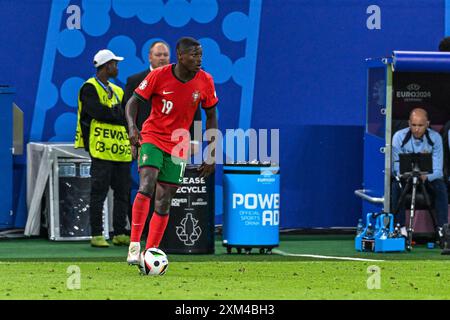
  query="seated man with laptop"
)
[{"x": 418, "y": 138}]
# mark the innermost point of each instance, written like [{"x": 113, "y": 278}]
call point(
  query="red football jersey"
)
[{"x": 174, "y": 103}]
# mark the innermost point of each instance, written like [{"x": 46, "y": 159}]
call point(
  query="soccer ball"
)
[{"x": 153, "y": 262}]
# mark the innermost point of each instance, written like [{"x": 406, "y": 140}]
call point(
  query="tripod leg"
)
[
  {"x": 411, "y": 216},
  {"x": 431, "y": 209},
  {"x": 401, "y": 199}
]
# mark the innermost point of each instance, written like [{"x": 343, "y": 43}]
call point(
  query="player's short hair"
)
[
  {"x": 157, "y": 42},
  {"x": 444, "y": 45},
  {"x": 186, "y": 43}
]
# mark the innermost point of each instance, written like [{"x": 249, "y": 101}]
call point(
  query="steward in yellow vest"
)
[{"x": 101, "y": 130}]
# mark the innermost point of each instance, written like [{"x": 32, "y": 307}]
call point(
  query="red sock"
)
[
  {"x": 141, "y": 206},
  {"x": 157, "y": 226}
]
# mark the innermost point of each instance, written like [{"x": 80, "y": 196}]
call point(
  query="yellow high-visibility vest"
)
[{"x": 106, "y": 141}]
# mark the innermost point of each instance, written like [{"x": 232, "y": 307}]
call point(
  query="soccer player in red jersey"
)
[{"x": 176, "y": 91}]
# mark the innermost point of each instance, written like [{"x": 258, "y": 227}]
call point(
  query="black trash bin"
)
[{"x": 191, "y": 222}]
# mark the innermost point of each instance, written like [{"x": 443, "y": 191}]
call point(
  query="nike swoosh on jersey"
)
[{"x": 167, "y": 92}]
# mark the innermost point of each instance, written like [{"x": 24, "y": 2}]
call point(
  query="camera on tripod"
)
[
  {"x": 412, "y": 167},
  {"x": 415, "y": 164}
]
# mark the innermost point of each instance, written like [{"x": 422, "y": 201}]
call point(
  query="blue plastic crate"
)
[{"x": 379, "y": 238}]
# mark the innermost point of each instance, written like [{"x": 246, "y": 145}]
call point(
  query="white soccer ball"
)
[{"x": 153, "y": 262}]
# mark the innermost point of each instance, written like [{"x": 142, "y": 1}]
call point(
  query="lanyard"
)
[
  {"x": 424, "y": 148},
  {"x": 108, "y": 91}
]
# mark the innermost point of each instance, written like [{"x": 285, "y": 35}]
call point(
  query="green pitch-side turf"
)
[
  {"x": 228, "y": 280},
  {"x": 41, "y": 269}
]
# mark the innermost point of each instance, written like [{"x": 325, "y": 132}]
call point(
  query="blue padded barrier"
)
[{"x": 421, "y": 61}]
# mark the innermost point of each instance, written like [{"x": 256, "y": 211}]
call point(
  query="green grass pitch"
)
[{"x": 40, "y": 270}]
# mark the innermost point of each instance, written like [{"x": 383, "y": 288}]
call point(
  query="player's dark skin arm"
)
[
  {"x": 208, "y": 167},
  {"x": 147, "y": 175},
  {"x": 134, "y": 135}
]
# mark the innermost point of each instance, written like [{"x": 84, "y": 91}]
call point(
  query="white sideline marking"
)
[{"x": 321, "y": 257}]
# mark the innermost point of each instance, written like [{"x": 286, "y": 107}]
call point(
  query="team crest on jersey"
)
[
  {"x": 195, "y": 97},
  {"x": 143, "y": 84}
]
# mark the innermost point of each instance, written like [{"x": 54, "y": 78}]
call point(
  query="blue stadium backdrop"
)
[{"x": 293, "y": 65}]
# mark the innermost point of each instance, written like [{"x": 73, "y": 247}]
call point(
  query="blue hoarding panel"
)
[{"x": 6, "y": 160}]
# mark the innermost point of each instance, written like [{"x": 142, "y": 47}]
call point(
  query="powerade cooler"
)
[{"x": 251, "y": 195}]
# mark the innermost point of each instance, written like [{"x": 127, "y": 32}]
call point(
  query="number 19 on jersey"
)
[{"x": 167, "y": 106}]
